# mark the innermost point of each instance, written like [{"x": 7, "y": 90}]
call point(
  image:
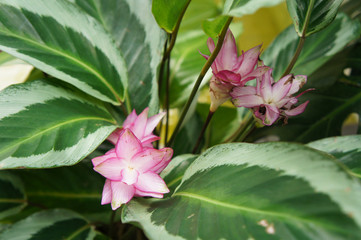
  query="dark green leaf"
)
[
  {"x": 60, "y": 39},
  {"x": 257, "y": 191},
  {"x": 317, "y": 50},
  {"x": 51, "y": 224},
  {"x": 78, "y": 188},
  {"x": 12, "y": 195},
  {"x": 42, "y": 125},
  {"x": 137, "y": 35},
  {"x": 310, "y": 16},
  {"x": 238, "y": 8},
  {"x": 167, "y": 12},
  {"x": 347, "y": 149}
]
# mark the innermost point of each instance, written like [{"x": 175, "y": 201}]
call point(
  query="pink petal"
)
[
  {"x": 239, "y": 91},
  {"x": 281, "y": 88},
  {"x": 297, "y": 110},
  {"x": 167, "y": 156},
  {"x": 129, "y": 176},
  {"x": 266, "y": 85},
  {"x": 122, "y": 193},
  {"x": 152, "y": 122},
  {"x": 229, "y": 77},
  {"x": 205, "y": 56},
  {"x": 129, "y": 121},
  {"x": 247, "y": 101},
  {"x": 111, "y": 168},
  {"x": 228, "y": 55},
  {"x": 140, "y": 123},
  {"x": 107, "y": 193},
  {"x": 139, "y": 193},
  {"x": 297, "y": 83},
  {"x": 250, "y": 59},
  {"x": 98, "y": 160},
  {"x": 272, "y": 114},
  {"x": 151, "y": 182},
  {"x": 146, "y": 159},
  {"x": 258, "y": 72},
  {"x": 149, "y": 139},
  {"x": 211, "y": 45},
  {"x": 113, "y": 138},
  {"x": 128, "y": 145}
]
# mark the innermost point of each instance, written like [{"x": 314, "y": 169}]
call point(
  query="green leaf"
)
[
  {"x": 213, "y": 27},
  {"x": 136, "y": 33},
  {"x": 310, "y": 16},
  {"x": 346, "y": 149},
  {"x": 239, "y": 8},
  {"x": 51, "y": 224},
  {"x": 167, "y": 12},
  {"x": 78, "y": 188},
  {"x": 257, "y": 191},
  {"x": 317, "y": 50},
  {"x": 63, "y": 41},
  {"x": 174, "y": 172},
  {"x": 42, "y": 125},
  {"x": 12, "y": 195}
]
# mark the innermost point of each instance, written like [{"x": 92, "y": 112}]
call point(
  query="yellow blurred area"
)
[{"x": 263, "y": 26}]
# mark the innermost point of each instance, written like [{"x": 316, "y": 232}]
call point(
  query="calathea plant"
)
[{"x": 139, "y": 119}]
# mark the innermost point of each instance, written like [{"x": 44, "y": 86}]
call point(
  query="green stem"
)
[
  {"x": 301, "y": 41},
  {"x": 167, "y": 99},
  {"x": 203, "y": 72},
  {"x": 248, "y": 118},
  {"x": 128, "y": 104},
  {"x": 206, "y": 123},
  {"x": 161, "y": 69},
  {"x": 248, "y": 129}
]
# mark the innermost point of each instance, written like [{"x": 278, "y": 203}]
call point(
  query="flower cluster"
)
[
  {"x": 132, "y": 168},
  {"x": 269, "y": 100}
]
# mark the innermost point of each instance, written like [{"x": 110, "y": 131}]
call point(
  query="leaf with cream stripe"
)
[
  {"x": 57, "y": 224},
  {"x": 137, "y": 35},
  {"x": 256, "y": 191},
  {"x": 42, "y": 125},
  {"x": 63, "y": 41}
]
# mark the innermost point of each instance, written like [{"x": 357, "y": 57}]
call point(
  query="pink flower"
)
[
  {"x": 228, "y": 67},
  {"x": 141, "y": 126},
  {"x": 231, "y": 70},
  {"x": 270, "y": 100},
  {"x": 132, "y": 170}
]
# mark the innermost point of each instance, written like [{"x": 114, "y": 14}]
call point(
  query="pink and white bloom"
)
[
  {"x": 141, "y": 126},
  {"x": 132, "y": 170},
  {"x": 271, "y": 100},
  {"x": 230, "y": 70}
]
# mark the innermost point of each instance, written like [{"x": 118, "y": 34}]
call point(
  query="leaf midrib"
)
[
  {"x": 22, "y": 140},
  {"x": 257, "y": 211},
  {"x": 73, "y": 59}
]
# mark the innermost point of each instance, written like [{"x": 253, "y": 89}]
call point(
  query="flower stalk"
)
[
  {"x": 203, "y": 72},
  {"x": 206, "y": 123}
]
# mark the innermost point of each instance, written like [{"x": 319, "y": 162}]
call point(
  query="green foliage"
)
[
  {"x": 317, "y": 50},
  {"x": 311, "y": 16},
  {"x": 238, "y": 8},
  {"x": 168, "y": 12},
  {"x": 12, "y": 195},
  {"x": 346, "y": 149},
  {"x": 55, "y": 224},
  {"x": 213, "y": 27},
  {"x": 264, "y": 191},
  {"x": 141, "y": 47},
  {"x": 63, "y": 41},
  {"x": 44, "y": 125}
]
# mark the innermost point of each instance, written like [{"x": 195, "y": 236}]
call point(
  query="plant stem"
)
[
  {"x": 295, "y": 56},
  {"x": 203, "y": 72},
  {"x": 167, "y": 99},
  {"x": 206, "y": 123},
  {"x": 241, "y": 128},
  {"x": 301, "y": 41},
  {"x": 247, "y": 130},
  {"x": 127, "y": 101},
  {"x": 161, "y": 69}
]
